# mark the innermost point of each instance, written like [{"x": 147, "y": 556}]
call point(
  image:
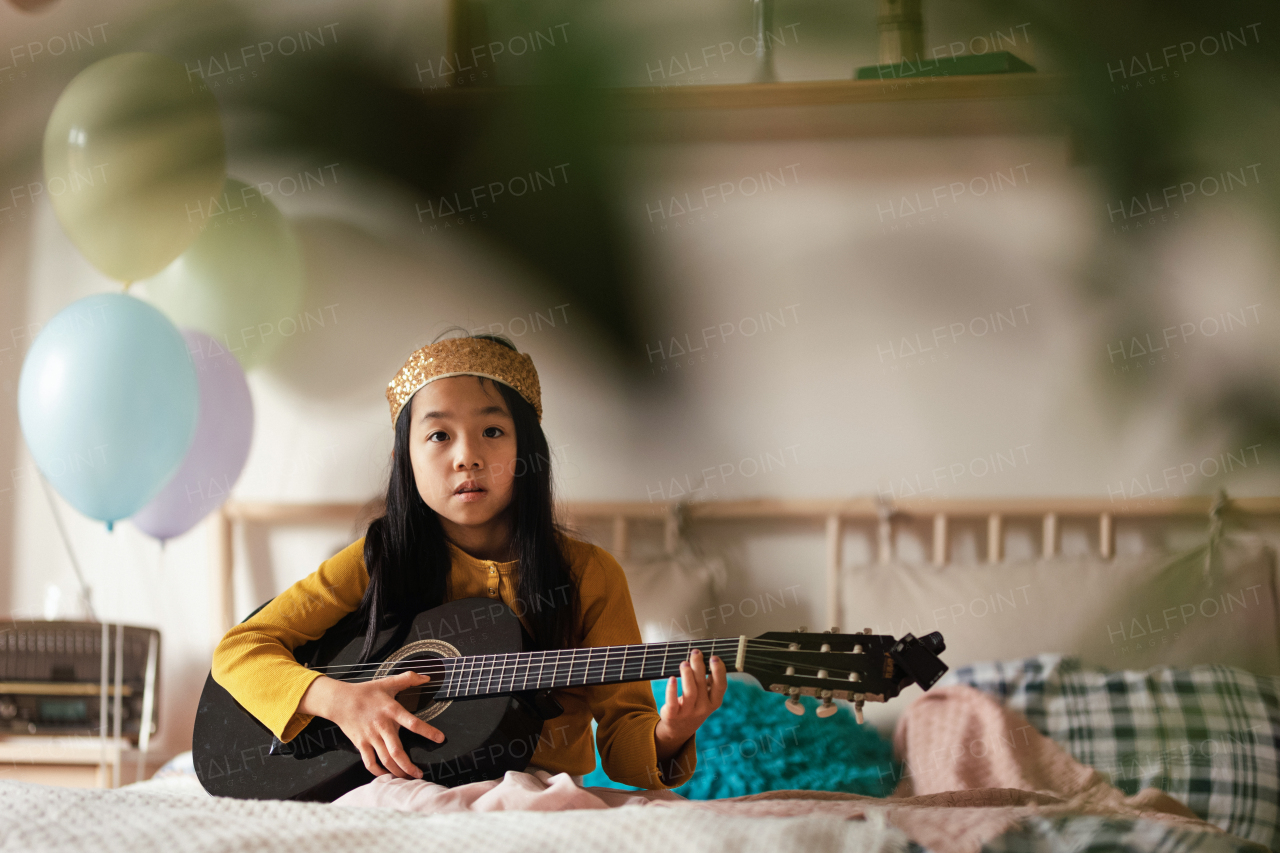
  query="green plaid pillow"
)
[
  {"x": 1090, "y": 833},
  {"x": 1208, "y": 735}
]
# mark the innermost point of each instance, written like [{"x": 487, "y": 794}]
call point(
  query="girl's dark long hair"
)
[{"x": 408, "y": 561}]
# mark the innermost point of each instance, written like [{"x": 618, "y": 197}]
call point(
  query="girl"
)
[{"x": 468, "y": 514}]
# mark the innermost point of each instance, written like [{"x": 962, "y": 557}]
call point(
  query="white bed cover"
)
[{"x": 176, "y": 815}]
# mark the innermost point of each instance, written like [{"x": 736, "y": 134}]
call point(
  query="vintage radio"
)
[{"x": 51, "y": 677}]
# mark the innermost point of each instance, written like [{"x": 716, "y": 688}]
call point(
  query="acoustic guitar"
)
[{"x": 491, "y": 692}]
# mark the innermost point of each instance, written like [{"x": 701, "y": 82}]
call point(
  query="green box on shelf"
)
[{"x": 1001, "y": 62}]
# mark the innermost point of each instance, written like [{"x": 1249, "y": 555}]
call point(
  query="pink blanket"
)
[{"x": 973, "y": 769}]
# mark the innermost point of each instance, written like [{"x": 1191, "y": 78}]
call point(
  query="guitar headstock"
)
[{"x": 856, "y": 667}]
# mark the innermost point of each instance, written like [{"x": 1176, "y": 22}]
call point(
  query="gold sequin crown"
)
[{"x": 465, "y": 357}]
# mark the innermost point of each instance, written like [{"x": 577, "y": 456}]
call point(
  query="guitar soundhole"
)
[
  {"x": 424, "y": 656},
  {"x": 418, "y": 698}
]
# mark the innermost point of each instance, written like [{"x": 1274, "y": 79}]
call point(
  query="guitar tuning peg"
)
[
  {"x": 826, "y": 709},
  {"x": 857, "y": 711},
  {"x": 803, "y": 629},
  {"x": 794, "y": 706}
]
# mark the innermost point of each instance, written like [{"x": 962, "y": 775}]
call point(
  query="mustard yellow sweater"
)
[{"x": 255, "y": 664}]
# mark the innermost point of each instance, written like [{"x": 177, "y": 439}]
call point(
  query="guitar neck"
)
[{"x": 488, "y": 675}]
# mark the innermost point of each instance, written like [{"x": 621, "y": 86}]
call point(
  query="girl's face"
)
[{"x": 462, "y": 444}]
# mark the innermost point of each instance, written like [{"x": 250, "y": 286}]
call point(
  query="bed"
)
[
  {"x": 1066, "y": 643},
  {"x": 174, "y": 815},
  {"x": 172, "y": 812}
]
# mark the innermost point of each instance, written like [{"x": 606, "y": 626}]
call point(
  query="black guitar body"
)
[
  {"x": 235, "y": 755},
  {"x": 492, "y": 709}
]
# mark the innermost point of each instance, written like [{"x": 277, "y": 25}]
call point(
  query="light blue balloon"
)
[{"x": 108, "y": 400}]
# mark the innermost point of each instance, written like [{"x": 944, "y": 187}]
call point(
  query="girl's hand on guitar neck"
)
[
  {"x": 368, "y": 714},
  {"x": 681, "y": 715}
]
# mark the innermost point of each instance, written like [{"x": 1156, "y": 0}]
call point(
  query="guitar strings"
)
[
  {"x": 501, "y": 662},
  {"x": 495, "y": 665},
  {"x": 447, "y": 690},
  {"x": 783, "y": 645},
  {"x": 454, "y": 676},
  {"x": 455, "y": 681},
  {"x": 692, "y": 644},
  {"x": 459, "y": 673},
  {"x": 778, "y": 645}
]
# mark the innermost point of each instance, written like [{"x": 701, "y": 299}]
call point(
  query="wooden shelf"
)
[
  {"x": 69, "y": 749},
  {"x": 71, "y": 761},
  {"x": 997, "y": 104},
  {"x": 807, "y": 93},
  {"x": 1027, "y": 103}
]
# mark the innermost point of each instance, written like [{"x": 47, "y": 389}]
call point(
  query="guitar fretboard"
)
[{"x": 487, "y": 675}]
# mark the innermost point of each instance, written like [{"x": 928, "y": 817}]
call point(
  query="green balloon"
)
[
  {"x": 132, "y": 148},
  {"x": 241, "y": 280}
]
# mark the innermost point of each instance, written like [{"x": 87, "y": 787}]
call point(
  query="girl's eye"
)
[
  {"x": 437, "y": 436},
  {"x": 493, "y": 432}
]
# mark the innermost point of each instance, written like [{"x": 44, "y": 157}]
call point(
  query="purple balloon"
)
[{"x": 224, "y": 429}]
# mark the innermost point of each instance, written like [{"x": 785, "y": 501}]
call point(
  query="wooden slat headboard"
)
[{"x": 833, "y": 514}]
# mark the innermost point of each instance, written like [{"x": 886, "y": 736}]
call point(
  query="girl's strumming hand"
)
[
  {"x": 681, "y": 715},
  {"x": 368, "y": 714}
]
